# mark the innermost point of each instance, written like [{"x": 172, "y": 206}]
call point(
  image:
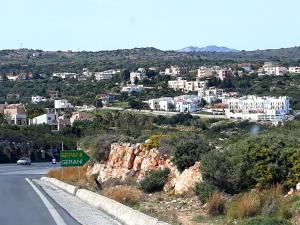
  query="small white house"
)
[
  {"x": 37, "y": 99},
  {"x": 62, "y": 104},
  {"x": 47, "y": 118},
  {"x": 132, "y": 88},
  {"x": 161, "y": 103}
]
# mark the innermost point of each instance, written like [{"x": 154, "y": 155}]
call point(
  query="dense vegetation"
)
[{"x": 41, "y": 62}]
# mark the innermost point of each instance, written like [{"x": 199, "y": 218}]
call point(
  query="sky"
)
[{"x": 94, "y": 25}]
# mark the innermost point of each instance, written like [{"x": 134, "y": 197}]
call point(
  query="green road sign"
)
[{"x": 70, "y": 158}]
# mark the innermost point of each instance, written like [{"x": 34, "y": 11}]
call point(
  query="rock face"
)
[{"x": 133, "y": 160}]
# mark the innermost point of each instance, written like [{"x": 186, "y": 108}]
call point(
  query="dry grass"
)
[
  {"x": 244, "y": 206},
  {"x": 73, "y": 175},
  {"x": 253, "y": 203},
  {"x": 128, "y": 195},
  {"x": 216, "y": 204}
]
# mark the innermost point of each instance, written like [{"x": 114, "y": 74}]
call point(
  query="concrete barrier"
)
[
  {"x": 123, "y": 213},
  {"x": 62, "y": 185}
]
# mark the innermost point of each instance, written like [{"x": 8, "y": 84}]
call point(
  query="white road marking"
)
[{"x": 57, "y": 218}]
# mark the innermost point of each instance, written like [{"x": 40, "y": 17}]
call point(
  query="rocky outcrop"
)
[{"x": 136, "y": 161}]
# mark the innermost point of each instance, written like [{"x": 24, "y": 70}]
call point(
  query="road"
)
[
  {"x": 19, "y": 202},
  {"x": 166, "y": 113}
]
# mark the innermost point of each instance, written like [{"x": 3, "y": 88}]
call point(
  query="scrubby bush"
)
[
  {"x": 267, "y": 221},
  {"x": 226, "y": 170},
  {"x": 153, "y": 142},
  {"x": 187, "y": 152},
  {"x": 216, "y": 204},
  {"x": 155, "y": 180},
  {"x": 204, "y": 191}
]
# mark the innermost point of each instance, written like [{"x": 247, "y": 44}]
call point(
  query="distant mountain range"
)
[{"x": 210, "y": 48}]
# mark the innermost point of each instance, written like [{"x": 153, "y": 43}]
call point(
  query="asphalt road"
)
[{"x": 19, "y": 202}]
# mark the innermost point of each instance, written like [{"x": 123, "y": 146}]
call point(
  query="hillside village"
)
[{"x": 198, "y": 95}]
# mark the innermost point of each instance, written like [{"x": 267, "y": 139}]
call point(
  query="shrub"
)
[
  {"x": 204, "y": 191},
  {"x": 243, "y": 206},
  {"x": 267, "y": 221},
  {"x": 226, "y": 170},
  {"x": 216, "y": 204},
  {"x": 127, "y": 195},
  {"x": 155, "y": 180},
  {"x": 153, "y": 142},
  {"x": 187, "y": 152},
  {"x": 270, "y": 207}
]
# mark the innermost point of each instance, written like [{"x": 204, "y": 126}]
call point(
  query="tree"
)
[
  {"x": 98, "y": 103},
  {"x": 136, "y": 81},
  {"x": 135, "y": 104},
  {"x": 125, "y": 74}
]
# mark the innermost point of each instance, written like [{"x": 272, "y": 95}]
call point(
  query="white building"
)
[
  {"x": 176, "y": 71},
  {"x": 132, "y": 88},
  {"x": 212, "y": 94},
  {"x": 257, "y": 108},
  {"x": 163, "y": 103},
  {"x": 99, "y": 76},
  {"x": 65, "y": 76},
  {"x": 86, "y": 72},
  {"x": 183, "y": 103},
  {"x": 49, "y": 118},
  {"x": 270, "y": 68},
  {"x": 186, "y": 86},
  {"x": 187, "y": 103},
  {"x": 37, "y": 99},
  {"x": 140, "y": 75},
  {"x": 294, "y": 70},
  {"x": 62, "y": 104}
]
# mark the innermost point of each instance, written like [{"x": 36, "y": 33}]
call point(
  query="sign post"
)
[{"x": 70, "y": 158}]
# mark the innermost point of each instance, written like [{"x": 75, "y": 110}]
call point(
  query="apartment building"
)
[
  {"x": 183, "y": 103},
  {"x": 271, "y": 68},
  {"x": 205, "y": 72},
  {"x": 186, "y": 86},
  {"x": 274, "y": 109},
  {"x": 140, "y": 75},
  {"x": 294, "y": 70},
  {"x": 225, "y": 74},
  {"x": 187, "y": 103}
]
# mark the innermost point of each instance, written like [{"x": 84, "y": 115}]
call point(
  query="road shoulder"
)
[{"x": 79, "y": 210}]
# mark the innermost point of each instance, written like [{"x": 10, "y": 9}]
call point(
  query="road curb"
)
[
  {"x": 123, "y": 213},
  {"x": 71, "y": 189}
]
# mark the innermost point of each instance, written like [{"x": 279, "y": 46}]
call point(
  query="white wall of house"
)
[
  {"x": 48, "y": 118},
  {"x": 62, "y": 104}
]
